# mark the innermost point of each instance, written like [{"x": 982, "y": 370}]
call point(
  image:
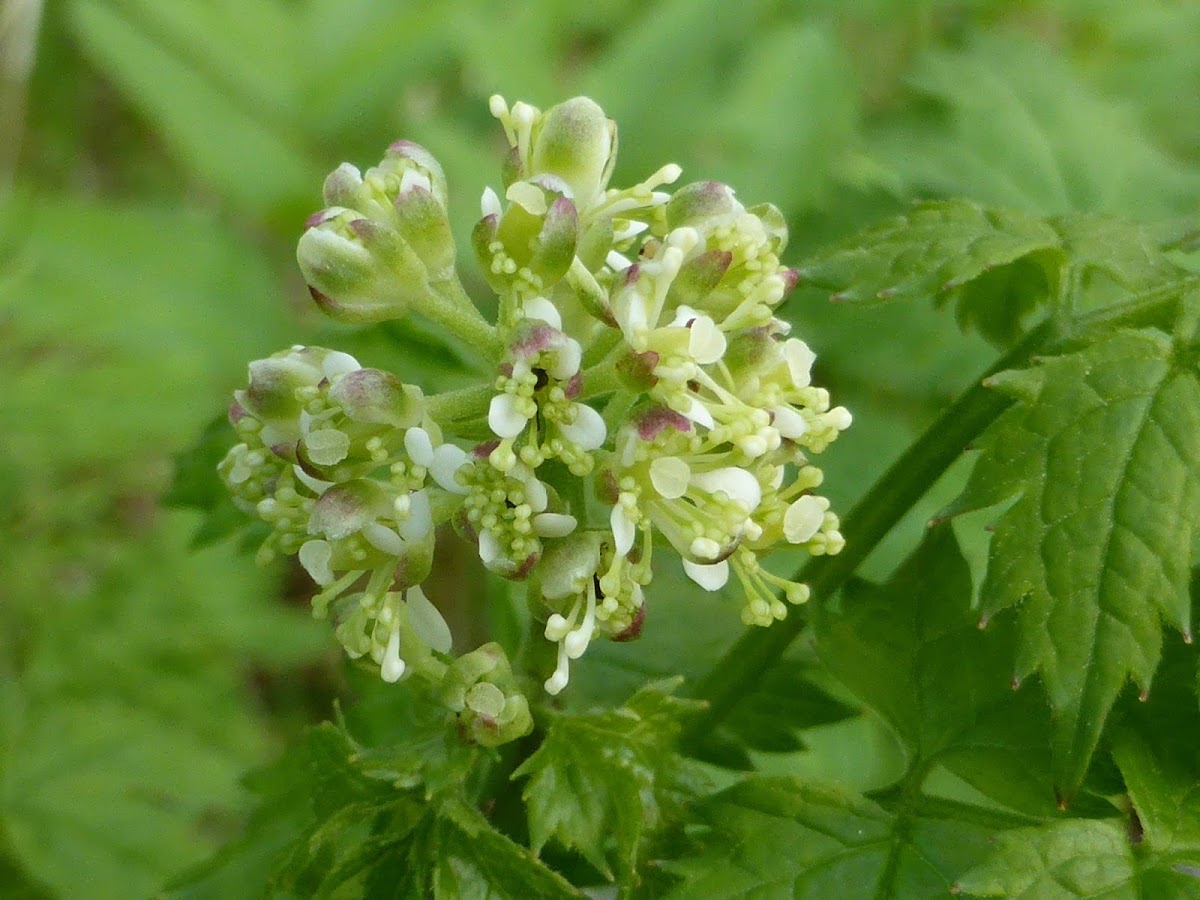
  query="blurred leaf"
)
[
  {"x": 934, "y": 248},
  {"x": 1014, "y": 126},
  {"x": 227, "y": 139},
  {"x": 1096, "y": 548},
  {"x": 595, "y": 782}
]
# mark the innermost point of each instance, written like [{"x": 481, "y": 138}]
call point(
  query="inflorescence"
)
[{"x": 645, "y": 397}]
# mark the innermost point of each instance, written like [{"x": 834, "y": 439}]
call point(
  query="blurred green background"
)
[{"x": 157, "y": 159}]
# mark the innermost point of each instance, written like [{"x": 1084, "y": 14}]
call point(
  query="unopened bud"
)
[
  {"x": 359, "y": 271},
  {"x": 578, "y": 144}
]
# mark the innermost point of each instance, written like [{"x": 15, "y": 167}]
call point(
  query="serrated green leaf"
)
[
  {"x": 912, "y": 651},
  {"x": 1096, "y": 548},
  {"x": 595, "y": 782},
  {"x": 1074, "y": 859},
  {"x": 787, "y": 838},
  {"x": 933, "y": 248},
  {"x": 1165, "y": 792}
]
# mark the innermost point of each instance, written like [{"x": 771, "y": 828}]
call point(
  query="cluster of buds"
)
[{"x": 645, "y": 395}]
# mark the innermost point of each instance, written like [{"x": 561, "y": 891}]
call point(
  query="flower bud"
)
[
  {"x": 378, "y": 398},
  {"x": 480, "y": 687},
  {"x": 358, "y": 270},
  {"x": 577, "y": 143},
  {"x": 702, "y": 205}
]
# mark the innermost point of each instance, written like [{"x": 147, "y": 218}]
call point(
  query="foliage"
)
[{"x": 991, "y": 692}]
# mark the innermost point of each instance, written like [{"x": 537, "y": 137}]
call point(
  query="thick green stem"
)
[
  {"x": 449, "y": 306},
  {"x": 866, "y": 525}
]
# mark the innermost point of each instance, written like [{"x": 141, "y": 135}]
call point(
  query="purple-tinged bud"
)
[
  {"x": 422, "y": 222},
  {"x": 378, "y": 398},
  {"x": 699, "y": 277},
  {"x": 271, "y": 393},
  {"x": 637, "y": 370},
  {"x": 511, "y": 169},
  {"x": 576, "y": 142},
  {"x": 608, "y": 491},
  {"x": 634, "y": 630},
  {"x": 654, "y": 420},
  {"x": 360, "y": 271},
  {"x": 554, "y": 248},
  {"x": 701, "y": 205},
  {"x": 403, "y": 155},
  {"x": 343, "y": 186},
  {"x": 346, "y": 508}
]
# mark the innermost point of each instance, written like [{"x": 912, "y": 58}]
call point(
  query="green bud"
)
[
  {"x": 346, "y": 508},
  {"x": 554, "y": 247},
  {"x": 577, "y": 143},
  {"x": 378, "y": 398},
  {"x": 699, "y": 277},
  {"x": 480, "y": 687},
  {"x": 422, "y": 222},
  {"x": 701, "y": 205},
  {"x": 359, "y": 271}
]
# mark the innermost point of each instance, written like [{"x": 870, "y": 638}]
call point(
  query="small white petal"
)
[
  {"x": 327, "y": 447},
  {"x": 316, "y": 485},
  {"x": 420, "y": 517},
  {"x": 447, "y": 460},
  {"x": 383, "y": 538},
  {"x": 565, "y": 363},
  {"x": 489, "y": 203},
  {"x": 616, "y": 261},
  {"x": 711, "y": 578},
  {"x": 683, "y": 315},
  {"x": 553, "y": 525},
  {"x": 588, "y": 431},
  {"x": 789, "y": 422},
  {"x": 670, "y": 476},
  {"x": 504, "y": 418},
  {"x": 803, "y": 519},
  {"x": 629, "y": 229},
  {"x": 799, "y": 361},
  {"x": 427, "y": 621},
  {"x": 733, "y": 482},
  {"x": 418, "y": 446},
  {"x": 535, "y": 493},
  {"x": 699, "y": 413},
  {"x": 413, "y": 178},
  {"x": 489, "y": 547},
  {"x": 392, "y": 666},
  {"x": 315, "y": 556},
  {"x": 706, "y": 342},
  {"x": 623, "y": 530},
  {"x": 527, "y": 196},
  {"x": 542, "y": 308},
  {"x": 338, "y": 363}
]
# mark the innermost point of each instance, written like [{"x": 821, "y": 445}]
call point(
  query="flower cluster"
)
[{"x": 645, "y": 396}]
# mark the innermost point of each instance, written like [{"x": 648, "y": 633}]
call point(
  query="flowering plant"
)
[{"x": 645, "y": 396}]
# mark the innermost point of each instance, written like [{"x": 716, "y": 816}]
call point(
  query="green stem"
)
[
  {"x": 449, "y": 306},
  {"x": 866, "y": 525}
]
